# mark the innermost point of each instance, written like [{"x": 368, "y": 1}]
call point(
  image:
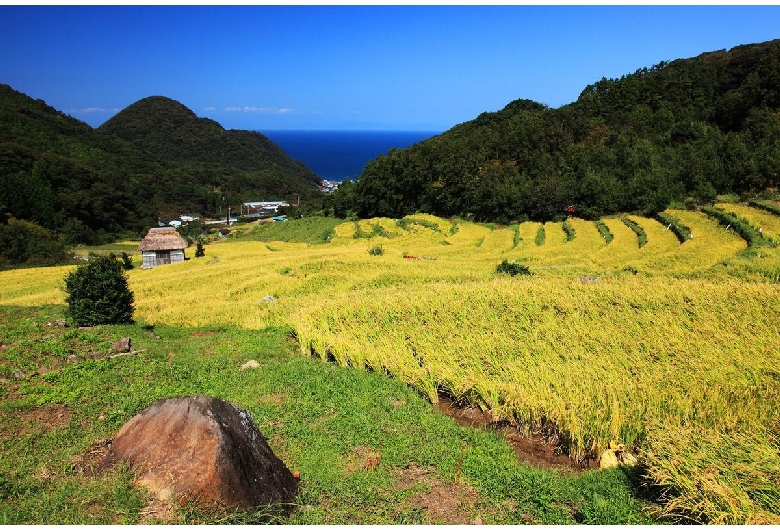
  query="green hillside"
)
[
  {"x": 169, "y": 130},
  {"x": 683, "y": 130},
  {"x": 155, "y": 158}
]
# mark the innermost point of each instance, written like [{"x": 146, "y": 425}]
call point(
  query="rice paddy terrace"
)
[{"x": 661, "y": 335}]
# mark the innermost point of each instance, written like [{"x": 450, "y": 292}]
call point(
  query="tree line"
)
[{"x": 685, "y": 130}]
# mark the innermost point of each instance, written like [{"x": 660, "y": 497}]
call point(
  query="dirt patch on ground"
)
[
  {"x": 537, "y": 452},
  {"x": 160, "y": 511},
  {"x": 93, "y": 461},
  {"x": 533, "y": 450},
  {"x": 397, "y": 403},
  {"x": 362, "y": 458},
  {"x": 441, "y": 503},
  {"x": 273, "y": 398},
  {"x": 44, "y": 419}
]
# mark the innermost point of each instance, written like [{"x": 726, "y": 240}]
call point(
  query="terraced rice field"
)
[{"x": 670, "y": 349}]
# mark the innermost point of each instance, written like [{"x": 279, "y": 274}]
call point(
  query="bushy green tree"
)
[
  {"x": 97, "y": 293},
  {"x": 26, "y": 243}
]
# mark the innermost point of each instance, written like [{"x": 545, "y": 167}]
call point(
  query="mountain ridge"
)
[
  {"x": 679, "y": 131},
  {"x": 155, "y": 158}
]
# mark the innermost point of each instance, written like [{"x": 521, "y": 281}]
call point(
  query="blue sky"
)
[{"x": 397, "y": 67}]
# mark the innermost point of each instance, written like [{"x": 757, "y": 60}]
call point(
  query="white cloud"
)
[
  {"x": 209, "y": 109},
  {"x": 263, "y": 110},
  {"x": 94, "y": 110}
]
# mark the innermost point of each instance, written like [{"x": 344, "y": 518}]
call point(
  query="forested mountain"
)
[
  {"x": 155, "y": 158},
  {"x": 683, "y": 130},
  {"x": 169, "y": 130}
]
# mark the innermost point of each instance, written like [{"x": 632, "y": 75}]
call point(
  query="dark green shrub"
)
[
  {"x": 516, "y": 236},
  {"x": 26, "y": 243},
  {"x": 376, "y": 250},
  {"x": 199, "y": 250},
  {"x": 512, "y": 268},
  {"x": 97, "y": 293},
  {"x": 127, "y": 261},
  {"x": 765, "y": 205}
]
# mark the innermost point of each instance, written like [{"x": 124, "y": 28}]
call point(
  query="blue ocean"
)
[{"x": 337, "y": 155}]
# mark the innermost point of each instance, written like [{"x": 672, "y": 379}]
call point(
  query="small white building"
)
[
  {"x": 162, "y": 246},
  {"x": 262, "y": 208},
  {"x": 328, "y": 186}
]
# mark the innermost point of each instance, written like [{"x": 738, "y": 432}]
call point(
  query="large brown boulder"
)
[{"x": 206, "y": 450}]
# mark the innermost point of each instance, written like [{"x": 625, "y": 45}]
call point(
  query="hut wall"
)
[
  {"x": 152, "y": 258},
  {"x": 148, "y": 259}
]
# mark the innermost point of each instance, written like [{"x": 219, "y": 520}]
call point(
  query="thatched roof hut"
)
[{"x": 162, "y": 246}]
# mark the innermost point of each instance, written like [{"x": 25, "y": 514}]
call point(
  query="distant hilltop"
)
[{"x": 154, "y": 159}]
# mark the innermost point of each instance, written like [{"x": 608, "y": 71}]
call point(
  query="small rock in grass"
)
[
  {"x": 250, "y": 364},
  {"x": 122, "y": 345}
]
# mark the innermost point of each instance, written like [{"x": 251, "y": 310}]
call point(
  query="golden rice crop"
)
[
  {"x": 659, "y": 238},
  {"x": 468, "y": 235},
  {"x": 343, "y": 233},
  {"x": 527, "y": 232},
  {"x": 619, "y": 360},
  {"x": 34, "y": 286},
  {"x": 620, "y": 250},
  {"x": 558, "y": 252},
  {"x": 682, "y": 369},
  {"x": 528, "y": 337},
  {"x": 497, "y": 241},
  {"x": 443, "y": 225},
  {"x": 767, "y": 223},
  {"x": 709, "y": 245}
]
